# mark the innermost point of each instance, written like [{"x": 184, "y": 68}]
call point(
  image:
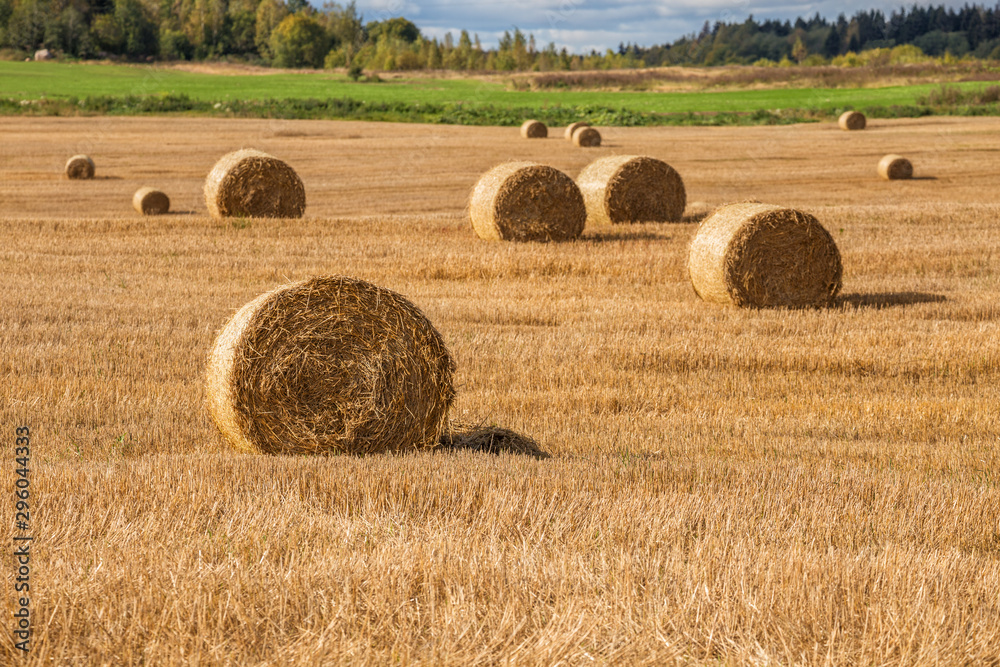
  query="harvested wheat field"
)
[{"x": 724, "y": 485}]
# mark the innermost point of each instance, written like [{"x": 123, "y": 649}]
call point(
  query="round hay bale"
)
[
  {"x": 148, "y": 201},
  {"x": 573, "y": 127},
  {"x": 894, "y": 168},
  {"x": 525, "y": 201},
  {"x": 534, "y": 129},
  {"x": 852, "y": 120},
  {"x": 329, "y": 365},
  {"x": 80, "y": 167},
  {"x": 623, "y": 189},
  {"x": 759, "y": 255},
  {"x": 249, "y": 183},
  {"x": 586, "y": 137}
]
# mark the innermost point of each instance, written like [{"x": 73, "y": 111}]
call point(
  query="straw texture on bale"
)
[
  {"x": 623, "y": 189},
  {"x": 249, "y": 183},
  {"x": 586, "y": 137},
  {"x": 148, "y": 201},
  {"x": 852, "y": 120},
  {"x": 759, "y": 255},
  {"x": 894, "y": 168},
  {"x": 525, "y": 201},
  {"x": 534, "y": 129},
  {"x": 573, "y": 127},
  {"x": 80, "y": 167},
  {"x": 330, "y": 365}
]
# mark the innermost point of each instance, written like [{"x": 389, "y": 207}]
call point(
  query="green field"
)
[{"x": 64, "y": 81}]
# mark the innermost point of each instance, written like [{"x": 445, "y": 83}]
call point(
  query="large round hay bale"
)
[
  {"x": 525, "y": 201},
  {"x": 586, "y": 137},
  {"x": 329, "y": 365},
  {"x": 249, "y": 183},
  {"x": 623, "y": 189},
  {"x": 534, "y": 129},
  {"x": 759, "y": 255},
  {"x": 852, "y": 120},
  {"x": 573, "y": 127},
  {"x": 149, "y": 201},
  {"x": 894, "y": 168},
  {"x": 80, "y": 167}
]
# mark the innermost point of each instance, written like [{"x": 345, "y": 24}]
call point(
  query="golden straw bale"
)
[
  {"x": 150, "y": 202},
  {"x": 586, "y": 137},
  {"x": 80, "y": 167},
  {"x": 852, "y": 120},
  {"x": 623, "y": 189},
  {"x": 759, "y": 255},
  {"x": 894, "y": 168},
  {"x": 573, "y": 127},
  {"x": 525, "y": 201},
  {"x": 534, "y": 129},
  {"x": 249, "y": 183},
  {"x": 329, "y": 365}
]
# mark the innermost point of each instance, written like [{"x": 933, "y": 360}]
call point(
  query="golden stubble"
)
[{"x": 725, "y": 485}]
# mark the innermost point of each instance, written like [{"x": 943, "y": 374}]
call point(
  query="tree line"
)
[{"x": 293, "y": 33}]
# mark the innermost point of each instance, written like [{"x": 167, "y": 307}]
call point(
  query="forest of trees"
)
[{"x": 293, "y": 33}]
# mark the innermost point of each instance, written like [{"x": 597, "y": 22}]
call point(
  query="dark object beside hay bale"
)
[
  {"x": 80, "y": 167},
  {"x": 759, "y": 255},
  {"x": 586, "y": 137},
  {"x": 624, "y": 189},
  {"x": 330, "y": 365},
  {"x": 491, "y": 440},
  {"x": 895, "y": 168},
  {"x": 525, "y": 201},
  {"x": 852, "y": 120},
  {"x": 252, "y": 184},
  {"x": 573, "y": 127},
  {"x": 149, "y": 201},
  {"x": 534, "y": 129}
]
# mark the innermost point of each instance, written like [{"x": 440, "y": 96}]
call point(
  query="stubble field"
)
[{"x": 794, "y": 487}]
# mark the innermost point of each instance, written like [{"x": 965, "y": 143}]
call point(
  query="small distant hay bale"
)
[
  {"x": 252, "y": 184},
  {"x": 330, "y": 365},
  {"x": 895, "y": 168},
  {"x": 852, "y": 120},
  {"x": 573, "y": 127},
  {"x": 80, "y": 167},
  {"x": 758, "y": 255},
  {"x": 534, "y": 129},
  {"x": 586, "y": 137},
  {"x": 149, "y": 201},
  {"x": 624, "y": 189},
  {"x": 525, "y": 201}
]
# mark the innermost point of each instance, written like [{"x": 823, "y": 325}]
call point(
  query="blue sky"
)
[{"x": 581, "y": 25}]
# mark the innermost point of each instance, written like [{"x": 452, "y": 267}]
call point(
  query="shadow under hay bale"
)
[
  {"x": 252, "y": 184},
  {"x": 629, "y": 189},
  {"x": 852, "y": 120},
  {"x": 886, "y": 300},
  {"x": 326, "y": 366},
  {"x": 758, "y": 255},
  {"x": 492, "y": 440},
  {"x": 534, "y": 129},
  {"x": 80, "y": 167},
  {"x": 148, "y": 201},
  {"x": 525, "y": 201},
  {"x": 895, "y": 168}
]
